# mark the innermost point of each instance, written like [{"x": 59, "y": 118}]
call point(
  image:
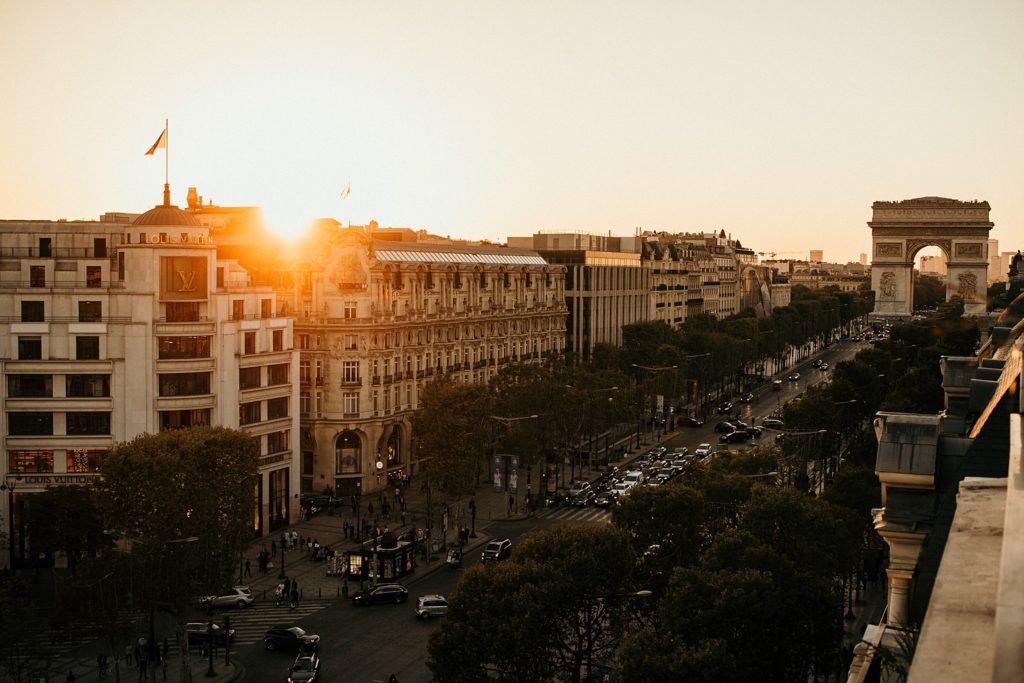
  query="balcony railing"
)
[
  {"x": 56, "y": 252},
  {"x": 61, "y": 284},
  {"x": 68, "y": 319}
]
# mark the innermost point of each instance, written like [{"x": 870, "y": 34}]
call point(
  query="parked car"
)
[
  {"x": 772, "y": 423},
  {"x": 197, "y": 633},
  {"x": 428, "y": 606},
  {"x": 290, "y": 638},
  {"x": 237, "y": 596},
  {"x": 381, "y": 593},
  {"x": 703, "y": 450},
  {"x": 687, "y": 421},
  {"x": 497, "y": 550},
  {"x": 306, "y": 669},
  {"x": 793, "y": 376},
  {"x": 739, "y": 436}
]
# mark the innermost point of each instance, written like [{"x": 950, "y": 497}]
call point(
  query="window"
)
[
  {"x": 88, "y": 423},
  {"x": 277, "y": 340},
  {"x": 182, "y": 347},
  {"x": 93, "y": 276},
  {"x": 319, "y": 372},
  {"x": 30, "y": 348},
  {"x": 304, "y": 402},
  {"x": 508, "y": 282},
  {"x": 277, "y": 442},
  {"x": 185, "y": 384},
  {"x": 351, "y": 342},
  {"x": 249, "y": 413},
  {"x": 458, "y": 280},
  {"x": 87, "y": 386},
  {"x": 303, "y": 341},
  {"x": 250, "y": 342},
  {"x": 307, "y": 463},
  {"x": 238, "y": 309},
  {"x": 277, "y": 408},
  {"x": 180, "y": 419},
  {"x": 305, "y": 377},
  {"x": 346, "y": 453},
  {"x": 90, "y": 311},
  {"x": 265, "y": 308},
  {"x": 87, "y": 348},
  {"x": 32, "y": 312},
  {"x": 44, "y": 246},
  {"x": 350, "y": 310},
  {"x": 351, "y": 402},
  {"x": 483, "y": 280},
  {"x": 249, "y": 378},
  {"x": 99, "y": 247},
  {"x": 220, "y": 278},
  {"x": 30, "y": 424},
  {"x": 84, "y": 460},
  {"x": 428, "y": 280},
  {"x": 350, "y": 372},
  {"x": 277, "y": 374},
  {"x": 30, "y": 386},
  {"x": 182, "y": 311},
  {"x": 30, "y": 462},
  {"x": 37, "y": 276}
]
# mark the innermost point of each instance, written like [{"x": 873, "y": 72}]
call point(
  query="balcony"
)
[
  {"x": 61, "y": 284},
  {"x": 56, "y": 252}
]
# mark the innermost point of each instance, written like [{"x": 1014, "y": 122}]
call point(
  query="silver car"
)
[
  {"x": 237, "y": 596},
  {"x": 428, "y": 606}
]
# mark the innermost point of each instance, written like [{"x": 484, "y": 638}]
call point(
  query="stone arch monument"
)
[{"x": 901, "y": 229}]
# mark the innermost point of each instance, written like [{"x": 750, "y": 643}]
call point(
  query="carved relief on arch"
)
[
  {"x": 913, "y": 246},
  {"x": 887, "y": 284},
  {"x": 888, "y": 249},
  {"x": 968, "y": 250}
]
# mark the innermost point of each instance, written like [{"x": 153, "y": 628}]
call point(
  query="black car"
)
[
  {"x": 754, "y": 432},
  {"x": 306, "y": 669},
  {"x": 739, "y": 436},
  {"x": 496, "y": 550},
  {"x": 583, "y": 498},
  {"x": 725, "y": 427},
  {"x": 381, "y": 593},
  {"x": 793, "y": 377},
  {"x": 198, "y": 634},
  {"x": 725, "y": 408},
  {"x": 747, "y": 398},
  {"x": 290, "y": 638},
  {"x": 605, "y": 499},
  {"x": 772, "y": 423},
  {"x": 687, "y": 421}
]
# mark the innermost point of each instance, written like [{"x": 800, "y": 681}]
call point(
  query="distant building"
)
[
  {"x": 817, "y": 256},
  {"x": 850, "y": 277},
  {"x": 933, "y": 265},
  {"x": 863, "y": 259}
]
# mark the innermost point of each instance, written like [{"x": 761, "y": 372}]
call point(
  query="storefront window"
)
[
  {"x": 30, "y": 462},
  {"x": 347, "y": 453},
  {"x": 81, "y": 460}
]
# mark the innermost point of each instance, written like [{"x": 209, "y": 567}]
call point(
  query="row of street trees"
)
[{"x": 166, "y": 521}]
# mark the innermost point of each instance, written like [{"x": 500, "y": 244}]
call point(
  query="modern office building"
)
[{"x": 128, "y": 325}]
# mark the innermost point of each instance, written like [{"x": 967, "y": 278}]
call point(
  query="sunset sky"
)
[{"x": 779, "y": 122}]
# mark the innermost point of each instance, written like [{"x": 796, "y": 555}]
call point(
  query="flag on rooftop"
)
[{"x": 161, "y": 142}]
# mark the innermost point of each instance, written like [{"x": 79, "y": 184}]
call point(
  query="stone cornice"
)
[{"x": 962, "y": 229}]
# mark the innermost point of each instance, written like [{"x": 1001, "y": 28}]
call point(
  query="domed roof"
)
[{"x": 167, "y": 216}]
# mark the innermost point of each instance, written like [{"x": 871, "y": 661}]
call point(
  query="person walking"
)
[
  {"x": 295, "y": 596},
  {"x": 248, "y": 567}
]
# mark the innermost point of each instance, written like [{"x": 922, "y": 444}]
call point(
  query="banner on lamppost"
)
[
  {"x": 513, "y": 475},
  {"x": 497, "y": 473},
  {"x": 661, "y": 403}
]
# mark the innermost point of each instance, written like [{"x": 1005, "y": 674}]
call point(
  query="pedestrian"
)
[
  {"x": 143, "y": 668},
  {"x": 403, "y": 517},
  {"x": 369, "y": 508},
  {"x": 295, "y": 596},
  {"x": 101, "y": 664},
  {"x": 248, "y": 567},
  {"x": 302, "y": 542},
  {"x": 70, "y": 676},
  {"x": 128, "y": 654},
  {"x": 279, "y": 593},
  {"x": 287, "y": 586},
  {"x": 273, "y": 548},
  {"x": 344, "y": 589}
]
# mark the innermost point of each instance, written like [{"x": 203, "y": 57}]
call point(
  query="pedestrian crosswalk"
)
[
  {"x": 251, "y": 624},
  {"x": 591, "y": 515}
]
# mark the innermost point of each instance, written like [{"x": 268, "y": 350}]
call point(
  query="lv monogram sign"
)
[{"x": 183, "y": 278}]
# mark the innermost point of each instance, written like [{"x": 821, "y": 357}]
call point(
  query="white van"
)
[{"x": 634, "y": 478}]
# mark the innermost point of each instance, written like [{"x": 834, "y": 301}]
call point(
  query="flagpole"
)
[{"x": 167, "y": 154}]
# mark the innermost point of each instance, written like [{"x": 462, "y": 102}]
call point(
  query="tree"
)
[
  {"x": 668, "y": 517},
  {"x": 161, "y": 488},
  {"x": 67, "y": 519}
]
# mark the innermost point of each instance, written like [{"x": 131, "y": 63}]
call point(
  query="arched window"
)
[{"x": 347, "y": 451}]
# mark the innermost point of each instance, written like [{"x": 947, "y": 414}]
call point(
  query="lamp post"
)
[
  {"x": 656, "y": 370},
  {"x": 152, "y": 598},
  {"x": 509, "y": 421},
  {"x": 11, "y": 485}
]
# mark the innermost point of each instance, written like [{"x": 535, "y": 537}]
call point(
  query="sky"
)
[{"x": 778, "y": 122}]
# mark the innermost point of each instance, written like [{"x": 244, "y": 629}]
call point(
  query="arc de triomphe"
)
[{"x": 901, "y": 229}]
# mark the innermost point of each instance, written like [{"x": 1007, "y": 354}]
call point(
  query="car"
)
[
  {"x": 739, "y": 436},
  {"x": 777, "y": 385},
  {"x": 738, "y": 424},
  {"x": 381, "y": 593},
  {"x": 197, "y": 633},
  {"x": 634, "y": 478},
  {"x": 605, "y": 499},
  {"x": 725, "y": 427},
  {"x": 703, "y": 450},
  {"x": 724, "y": 408},
  {"x": 290, "y": 638},
  {"x": 659, "y": 451},
  {"x": 747, "y": 398},
  {"x": 578, "y": 488},
  {"x": 621, "y": 489},
  {"x": 428, "y": 606},
  {"x": 306, "y": 669},
  {"x": 823, "y": 367},
  {"x": 679, "y": 452},
  {"x": 237, "y": 596},
  {"x": 755, "y": 432},
  {"x": 497, "y": 550},
  {"x": 816, "y": 363},
  {"x": 772, "y": 423},
  {"x": 794, "y": 376},
  {"x": 687, "y": 421},
  {"x": 583, "y": 498}
]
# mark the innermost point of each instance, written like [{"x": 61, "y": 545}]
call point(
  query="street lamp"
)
[
  {"x": 152, "y": 602},
  {"x": 639, "y": 401},
  {"x": 509, "y": 421},
  {"x": 11, "y": 485}
]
